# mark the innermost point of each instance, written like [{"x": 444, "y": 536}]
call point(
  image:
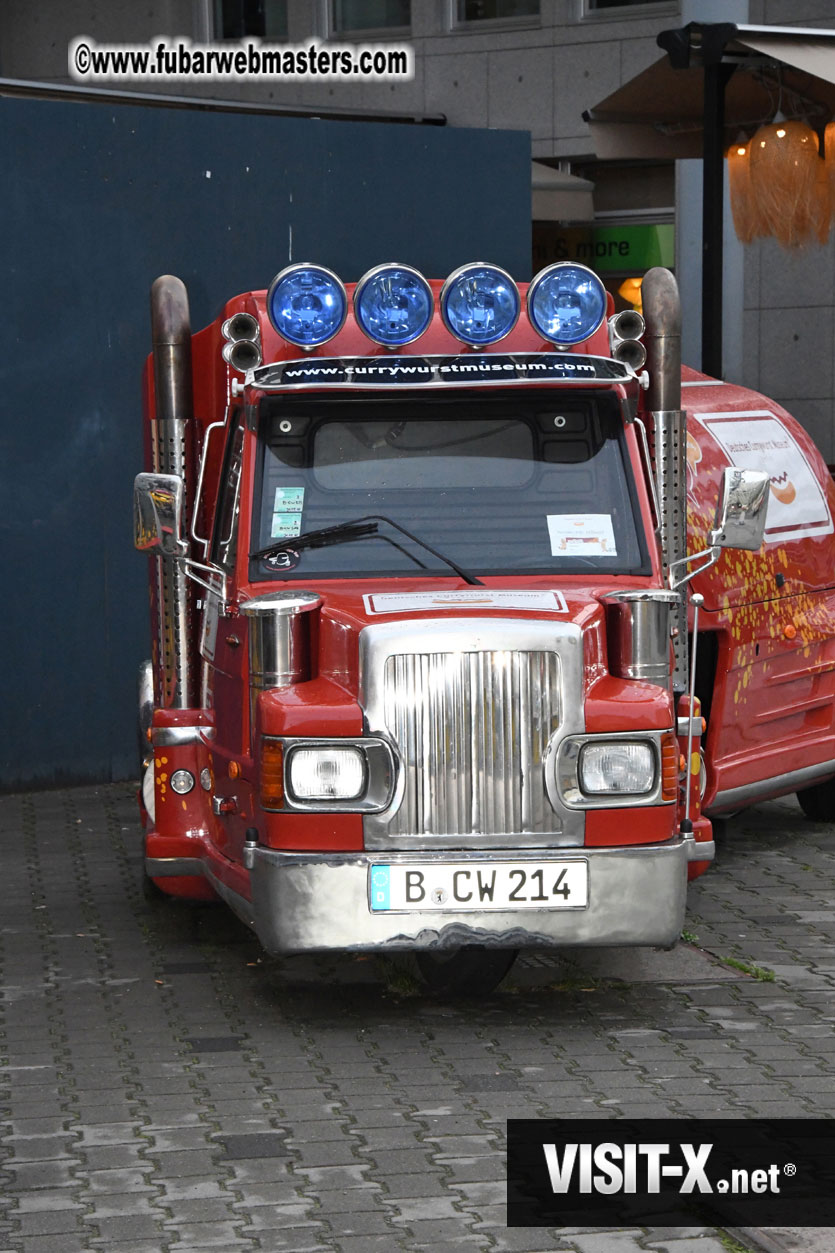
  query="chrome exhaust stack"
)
[
  {"x": 242, "y": 354},
  {"x": 242, "y": 349},
  {"x": 280, "y": 652},
  {"x": 638, "y": 631},
  {"x": 172, "y": 451},
  {"x": 662, "y": 339},
  {"x": 631, "y": 352},
  {"x": 625, "y": 331}
]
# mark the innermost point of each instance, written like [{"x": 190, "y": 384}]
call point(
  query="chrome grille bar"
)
[{"x": 472, "y": 729}]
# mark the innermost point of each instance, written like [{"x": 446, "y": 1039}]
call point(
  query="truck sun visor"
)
[
  {"x": 566, "y": 303},
  {"x": 393, "y": 304},
  {"x": 307, "y": 304},
  {"x": 480, "y": 304}
]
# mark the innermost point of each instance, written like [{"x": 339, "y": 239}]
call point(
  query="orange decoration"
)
[
  {"x": 784, "y": 186},
  {"x": 748, "y": 221}
]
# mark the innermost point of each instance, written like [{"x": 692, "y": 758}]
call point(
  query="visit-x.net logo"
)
[{"x": 671, "y": 1172}]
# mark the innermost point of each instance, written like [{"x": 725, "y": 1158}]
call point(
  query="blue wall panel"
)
[{"x": 97, "y": 201}]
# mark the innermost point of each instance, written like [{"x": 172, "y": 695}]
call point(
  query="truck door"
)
[{"x": 223, "y": 650}]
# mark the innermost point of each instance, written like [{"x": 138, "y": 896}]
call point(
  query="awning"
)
[
  {"x": 557, "y": 196},
  {"x": 660, "y": 113},
  {"x": 718, "y": 78}
]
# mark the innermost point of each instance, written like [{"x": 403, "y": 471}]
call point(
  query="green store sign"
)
[{"x": 607, "y": 249}]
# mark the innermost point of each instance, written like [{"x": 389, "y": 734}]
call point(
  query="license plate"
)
[{"x": 453, "y": 887}]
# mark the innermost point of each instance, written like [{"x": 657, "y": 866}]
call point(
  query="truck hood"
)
[
  {"x": 328, "y": 704},
  {"x": 345, "y": 613}
]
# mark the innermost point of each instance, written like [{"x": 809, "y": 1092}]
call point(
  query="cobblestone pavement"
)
[{"x": 165, "y": 1086}]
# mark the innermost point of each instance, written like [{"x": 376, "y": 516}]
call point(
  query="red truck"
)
[{"x": 426, "y": 562}]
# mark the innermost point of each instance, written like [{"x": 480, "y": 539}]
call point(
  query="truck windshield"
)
[{"x": 499, "y": 483}]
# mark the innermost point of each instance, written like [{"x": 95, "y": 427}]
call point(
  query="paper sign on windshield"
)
[{"x": 581, "y": 535}]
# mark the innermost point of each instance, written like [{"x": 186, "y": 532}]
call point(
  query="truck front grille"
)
[{"x": 472, "y": 729}]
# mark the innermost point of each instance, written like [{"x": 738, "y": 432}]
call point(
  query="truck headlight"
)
[
  {"x": 616, "y": 767},
  {"x": 326, "y": 774}
]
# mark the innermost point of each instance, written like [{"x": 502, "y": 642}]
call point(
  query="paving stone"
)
[
  {"x": 124, "y": 1180},
  {"x": 198, "y": 1236},
  {"x": 300, "y": 1216},
  {"x": 421, "y": 1208},
  {"x": 364, "y": 1223},
  {"x": 46, "y": 1199},
  {"x": 191, "y": 1188},
  {"x": 362, "y": 1244},
  {"x": 64, "y": 1243},
  {"x": 426, "y": 1183},
  {"x": 48, "y": 1222},
  {"x": 258, "y": 1144},
  {"x": 253, "y": 1175},
  {"x": 124, "y": 1204},
  {"x": 611, "y": 1242},
  {"x": 29, "y": 1175},
  {"x": 702, "y": 1244},
  {"x": 116, "y": 1156},
  {"x": 352, "y": 1200}
]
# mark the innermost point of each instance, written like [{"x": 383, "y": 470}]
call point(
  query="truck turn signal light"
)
[
  {"x": 669, "y": 767},
  {"x": 272, "y": 774}
]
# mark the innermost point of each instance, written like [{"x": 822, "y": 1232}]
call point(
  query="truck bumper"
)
[{"x": 306, "y": 903}]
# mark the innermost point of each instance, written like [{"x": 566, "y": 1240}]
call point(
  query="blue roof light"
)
[
  {"x": 566, "y": 303},
  {"x": 307, "y": 304},
  {"x": 480, "y": 304},
  {"x": 393, "y": 304}
]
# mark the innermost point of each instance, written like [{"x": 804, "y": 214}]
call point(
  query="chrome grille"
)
[{"x": 472, "y": 729}]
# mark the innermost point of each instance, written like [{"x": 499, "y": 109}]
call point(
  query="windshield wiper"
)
[{"x": 357, "y": 528}]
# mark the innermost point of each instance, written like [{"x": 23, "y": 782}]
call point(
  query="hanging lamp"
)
[{"x": 784, "y": 187}]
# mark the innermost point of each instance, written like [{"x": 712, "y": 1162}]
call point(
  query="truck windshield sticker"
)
[
  {"x": 585, "y": 534},
  {"x": 410, "y": 602},
  {"x": 288, "y": 500},
  {"x": 441, "y": 371},
  {"x": 287, "y": 513},
  {"x": 757, "y": 440},
  {"x": 286, "y": 525}
]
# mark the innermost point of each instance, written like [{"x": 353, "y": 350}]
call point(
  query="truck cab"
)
[{"x": 422, "y": 672}]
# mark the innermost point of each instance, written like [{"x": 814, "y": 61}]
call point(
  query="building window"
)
[
  {"x": 266, "y": 19},
  {"x": 353, "y": 16},
  {"x": 593, "y": 5},
  {"x": 493, "y": 10}
]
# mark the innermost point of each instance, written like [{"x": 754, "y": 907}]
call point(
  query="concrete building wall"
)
[{"x": 536, "y": 75}]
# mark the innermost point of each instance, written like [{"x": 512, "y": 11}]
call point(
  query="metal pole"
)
[{"x": 715, "y": 79}]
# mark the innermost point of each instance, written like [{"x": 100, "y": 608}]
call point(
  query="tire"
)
[
  {"x": 151, "y": 893},
  {"x": 818, "y": 801},
  {"x": 470, "y": 971}
]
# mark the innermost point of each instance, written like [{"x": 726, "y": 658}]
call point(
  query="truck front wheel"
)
[
  {"x": 470, "y": 971},
  {"x": 818, "y": 801}
]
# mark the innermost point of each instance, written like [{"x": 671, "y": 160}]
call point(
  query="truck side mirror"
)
[
  {"x": 739, "y": 523},
  {"x": 741, "y": 510},
  {"x": 158, "y": 514}
]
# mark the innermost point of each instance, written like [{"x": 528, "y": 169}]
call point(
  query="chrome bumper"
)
[{"x": 303, "y": 902}]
